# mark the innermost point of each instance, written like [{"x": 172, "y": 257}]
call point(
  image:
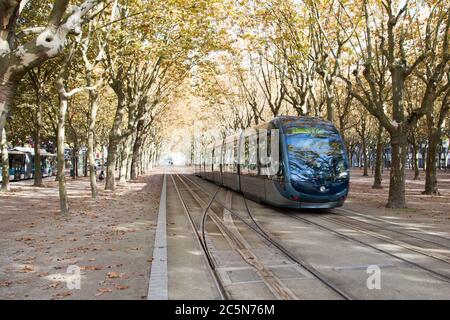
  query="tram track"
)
[
  {"x": 251, "y": 223},
  {"x": 427, "y": 251},
  {"x": 436, "y": 274},
  {"x": 199, "y": 238},
  {"x": 273, "y": 283},
  {"x": 439, "y": 275},
  {"x": 396, "y": 226}
]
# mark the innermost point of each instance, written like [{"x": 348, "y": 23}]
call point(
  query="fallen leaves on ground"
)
[{"x": 36, "y": 259}]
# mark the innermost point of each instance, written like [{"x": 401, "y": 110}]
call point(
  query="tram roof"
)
[
  {"x": 14, "y": 152},
  {"x": 44, "y": 152},
  {"x": 304, "y": 121}
]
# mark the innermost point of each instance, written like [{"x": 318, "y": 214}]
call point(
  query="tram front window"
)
[{"x": 315, "y": 155}]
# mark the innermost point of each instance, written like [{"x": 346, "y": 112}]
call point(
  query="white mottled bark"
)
[
  {"x": 63, "y": 199},
  {"x": 91, "y": 143},
  {"x": 5, "y": 162}
]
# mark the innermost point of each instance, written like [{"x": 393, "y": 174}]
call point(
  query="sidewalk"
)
[
  {"x": 110, "y": 239},
  {"x": 428, "y": 210}
]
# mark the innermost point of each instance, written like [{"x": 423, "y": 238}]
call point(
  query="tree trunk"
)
[
  {"x": 7, "y": 90},
  {"x": 37, "y": 147},
  {"x": 113, "y": 145},
  {"x": 424, "y": 158},
  {"x": 137, "y": 148},
  {"x": 111, "y": 163},
  {"x": 350, "y": 156},
  {"x": 119, "y": 160},
  {"x": 63, "y": 199},
  {"x": 330, "y": 100},
  {"x": 5, "y": 162},
  {"x": 75, "y": 162},
  {"x": 430, "y": 174},
  {"x": 128, "y": 158},
  {"x": 416, "y": 165},
  {"x": 379, "y": 159},
  {"x": 396, "y": 197},
  {"x": 93, "y": 96},
  {"x": 365, "y": 162},
  {"x": 125, "y": 153},
  {"x": 415, "y": 159}
]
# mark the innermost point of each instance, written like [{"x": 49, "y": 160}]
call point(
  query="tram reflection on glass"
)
[{"x": 294, "y": 162}]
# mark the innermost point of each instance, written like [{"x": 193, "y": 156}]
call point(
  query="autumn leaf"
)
[
  {"x": 102, "y": 291},
  {"x": 121, "y": 287},
  {"x": 27, "y": 268},
  {"x": 91, "y": 268},
  {"x": 113, "y": 275},
  {"x": 61, "y": 295},
  {"x": 5, "y": 283}
]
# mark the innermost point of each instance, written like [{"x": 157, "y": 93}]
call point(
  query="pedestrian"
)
[{"x": 101, "y": 176}]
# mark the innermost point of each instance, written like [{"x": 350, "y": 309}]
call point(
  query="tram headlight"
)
[{"x": 343, "y": 175}]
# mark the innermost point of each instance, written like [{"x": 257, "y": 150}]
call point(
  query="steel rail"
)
[
  {"x": 439, "y": 275},
  {"x": 356, "y": 213},
  {"x": 389, "y": 239}
]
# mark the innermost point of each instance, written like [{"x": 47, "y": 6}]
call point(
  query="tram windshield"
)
[{"x": 316, "y": 154}]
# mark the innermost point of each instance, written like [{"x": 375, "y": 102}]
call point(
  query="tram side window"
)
[
  {"x": 244, "y": 162},
  {"x": 211, "y": 159},
  {"x": 217, "y": 153},
  {"x": 253, "y": 155},
  {"x": 280, "y": 176},
  {"x": 208, "y": 160},
  {"x": 228, "y": 157},
  {"x": 264, "y": 146},
  {"x": 235, "y": 154},
  {"x": 224, "y": 160}
]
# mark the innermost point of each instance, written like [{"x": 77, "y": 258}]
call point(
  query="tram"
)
[
  {"x": 21, "y": 164},
  {"x": 293, "y": 162}
]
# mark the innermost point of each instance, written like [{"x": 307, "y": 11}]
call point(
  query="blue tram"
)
[
  {"x": 293, "y": 162},
  {"x": 21, "y": 164}
]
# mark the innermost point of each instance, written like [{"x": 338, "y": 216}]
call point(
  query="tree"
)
[
  {"x": 434, "y": 72},
  {"x": 400, "y": 67},
  {"x": 91, "y": 61},
  {"x": 39, "y": 77},
  {"x": 64, "y": 95},
  {"x": 47, "y": 42}
]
